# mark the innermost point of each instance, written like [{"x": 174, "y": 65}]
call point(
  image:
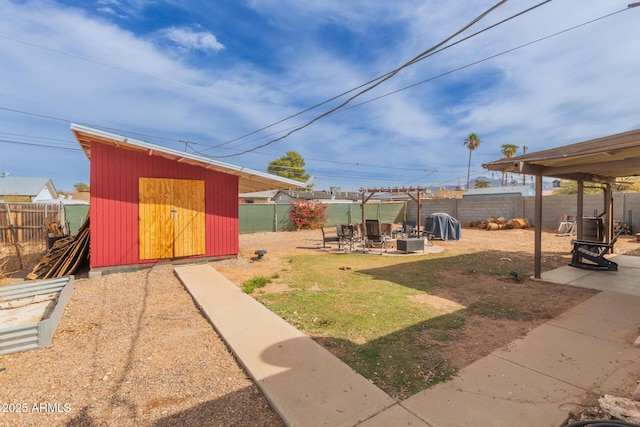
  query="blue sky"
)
[{"x": 210, "y": 72}]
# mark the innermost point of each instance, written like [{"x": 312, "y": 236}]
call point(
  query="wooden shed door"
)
[{"x": 171, "y": 218}]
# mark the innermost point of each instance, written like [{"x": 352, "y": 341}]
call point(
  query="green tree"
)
[
  {"x": 80, "y": 187},
  {"x": 472, "y": 142},
  {"x": 508, "y": 150},
  {"x": 571, "y": 187},
  {"x": 290, "y": 166},
  {"x": 481, "y": 183},
  {"x": 628, "y": 185}
]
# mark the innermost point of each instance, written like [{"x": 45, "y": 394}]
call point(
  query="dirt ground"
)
[
  {"x": 541, "y": 301},
  {"x": 132, "y": 348}
]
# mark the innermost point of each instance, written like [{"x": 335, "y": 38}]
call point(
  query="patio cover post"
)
[
  {"x": 608, "y": 209},
  {"x": 537, "y": 266},
  {"x": 580, "y": 207}
]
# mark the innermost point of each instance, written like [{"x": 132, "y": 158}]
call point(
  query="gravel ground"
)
[{"x": 132, "y": 349}]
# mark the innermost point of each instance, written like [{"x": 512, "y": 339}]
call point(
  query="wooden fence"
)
[{"x": 24, "y": 222}]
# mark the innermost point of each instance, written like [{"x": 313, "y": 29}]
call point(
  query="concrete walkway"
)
[{"x": 533, "y": 381}]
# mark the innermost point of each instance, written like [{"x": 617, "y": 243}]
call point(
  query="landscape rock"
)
[{"x": 621, "y": 408}]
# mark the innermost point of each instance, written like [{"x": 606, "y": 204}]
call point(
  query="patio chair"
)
[
  {"x": 408, "y": 228},
  {"x": 348, "y": 235},
  {"x": 329, "y": 239},
  {"x": 375, "y": 233},
  {"x": 589, "y": 255}
]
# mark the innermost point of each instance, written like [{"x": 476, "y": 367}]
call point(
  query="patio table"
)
[{"x": 410, "y": 245}]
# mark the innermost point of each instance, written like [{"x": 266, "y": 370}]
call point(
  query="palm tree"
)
[
  {"x": 481, "y": 183},
  {"x": 508, "y": 150},
  {"x": 472, "y": 142}
]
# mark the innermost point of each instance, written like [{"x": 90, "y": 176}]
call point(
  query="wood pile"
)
[
  {"x": 65, "y": 256},
  {"x": 620, "y": 226},
  {"x": 493, "y": 223},
  {"x": 53, "y": 228}
]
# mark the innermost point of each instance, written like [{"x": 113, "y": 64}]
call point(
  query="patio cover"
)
[{"x": 600, "y": 160}]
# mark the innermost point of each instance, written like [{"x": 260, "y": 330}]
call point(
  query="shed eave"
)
[{"x": 249, "y": 179}]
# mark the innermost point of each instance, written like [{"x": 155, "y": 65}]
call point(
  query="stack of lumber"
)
[
  {"x": 65, "y": 256},
  {"x": 53, "y": 228}
]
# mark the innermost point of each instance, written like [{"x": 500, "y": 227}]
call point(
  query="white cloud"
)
[
  {"x": 65, "y": 63},
  {"x": 190, "y": 40}
]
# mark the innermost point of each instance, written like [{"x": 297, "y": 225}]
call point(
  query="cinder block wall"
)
[{"x": 626, "y": 207}]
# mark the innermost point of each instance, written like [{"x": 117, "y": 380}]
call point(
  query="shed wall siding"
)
[{"x": 114, "y": 204}]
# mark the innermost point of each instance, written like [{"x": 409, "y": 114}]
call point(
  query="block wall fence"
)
[{"x": 626, "y": 207}]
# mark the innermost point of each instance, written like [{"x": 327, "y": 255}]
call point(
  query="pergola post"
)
[{"x": 362, "y": 211}]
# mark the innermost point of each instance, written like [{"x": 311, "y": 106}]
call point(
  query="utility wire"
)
[
  {"x": 488, "y": 58},
  {"x": 378, "y": 83},
  {"x": 380, "y": 77},
  {"x": 462, "y": 67},
  {"x": 6, "y": 141},
  {"x": 347, "y": 108}
]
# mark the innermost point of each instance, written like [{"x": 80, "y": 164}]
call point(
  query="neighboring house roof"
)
[
  {"x": 249, "y": 179},
  {"x": 398, "y": 196},
  {"x": 34, "y": 188},
  {"x": 449, "y": 194},
  {"x": 324, "y": 196},
  {"x": 81, "y": 195},
  {"x": 515, "y": 190},
  {"x": 268, "y": 194}
]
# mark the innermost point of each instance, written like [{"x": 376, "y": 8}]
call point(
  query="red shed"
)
[{"x": 151, "y": 203}]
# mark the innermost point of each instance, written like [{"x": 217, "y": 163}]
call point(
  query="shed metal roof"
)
[
  {"x": 249, "y": 179},
  {"x": 601, "y": 159}
]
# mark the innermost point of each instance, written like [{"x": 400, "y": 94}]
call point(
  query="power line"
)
[
  {"x": 488, "y": 58},
  {"x": 381, "y": 77},
  {"x": 379, "y": 82},
  {"x": 342, "y": 110},
  {"x": 440, "y": 75},
  {"x": 7, "y": 141}
]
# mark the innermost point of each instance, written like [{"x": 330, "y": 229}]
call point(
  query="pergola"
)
[
  {"x": 601, "y": 160},
  {"x": 395, "y": 190}
]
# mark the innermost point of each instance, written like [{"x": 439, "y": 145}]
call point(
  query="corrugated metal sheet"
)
[
  {"x": 19, "y": 338},
  {"x": 114, "y": 203}
]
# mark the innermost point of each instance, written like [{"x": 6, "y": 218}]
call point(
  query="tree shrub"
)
[{"x": 308, "y": 216}]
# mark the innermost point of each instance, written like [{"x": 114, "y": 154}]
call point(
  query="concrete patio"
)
[{"x": 626, "y": 280}]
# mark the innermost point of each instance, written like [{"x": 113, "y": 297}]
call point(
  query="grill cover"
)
[{"x": 442, "y": 226}]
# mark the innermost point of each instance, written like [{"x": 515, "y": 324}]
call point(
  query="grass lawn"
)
[{"x": 361, "y": 308}]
